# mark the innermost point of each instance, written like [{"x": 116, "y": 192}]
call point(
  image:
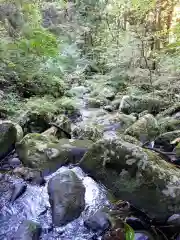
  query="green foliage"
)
[{"x": 129, "y": 232}]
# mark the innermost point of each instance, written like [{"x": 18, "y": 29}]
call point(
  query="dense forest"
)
[{"x": 93, "y": 84}]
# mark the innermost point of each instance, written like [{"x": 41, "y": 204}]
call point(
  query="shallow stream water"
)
[{"x": 34, "y": 203}]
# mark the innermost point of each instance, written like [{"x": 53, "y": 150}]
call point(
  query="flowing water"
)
[{"x": 34, "y": 203}]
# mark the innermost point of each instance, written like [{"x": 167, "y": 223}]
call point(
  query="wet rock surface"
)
[
  {"x": 67, "y": 197},
  {"x": 18, "y": 190},
  {"x": 99, "y": 222},
  {"x": 8, "y": 136},
  {"x": 28, "y": 230}
]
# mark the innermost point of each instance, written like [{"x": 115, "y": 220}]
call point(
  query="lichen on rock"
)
[{"x": 135, "y": 174}]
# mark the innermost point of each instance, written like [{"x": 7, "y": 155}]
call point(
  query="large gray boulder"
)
[
  {"x": 66, "y": 196},
  {"x": 135, "y": 174},
  {"x": 10, "y": 133}
]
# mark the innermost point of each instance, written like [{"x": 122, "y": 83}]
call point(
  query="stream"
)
[{"x": 34, "y": 205}]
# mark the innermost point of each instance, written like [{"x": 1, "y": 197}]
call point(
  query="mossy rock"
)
[
  {"x": 134, "y": 174},
  {"x": 130, "y": 139},
  {"x": 88, "y": 131},
  {"x": 10, "y": 133},
  {"x": 96, "y": 102},
  {"x": 145, "y": 129},
  {"x": 168, "y": 124},
  {"x": 47, "y": 152},
  {"x": 177, "y": 150},
  {"x": 131, "y": 104},
  {"x": 169, "y": 111}
]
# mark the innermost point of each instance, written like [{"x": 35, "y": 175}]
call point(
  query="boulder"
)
[
  {"x": 99, "y": 222},
  {"x": 45, "y": 152},
  {"x": 131, "y": 104},
  {"x": 166, "y": 138},
  {"x": 130, "y": 139},
  {"x": 96, "y": 102},
  {"x": 169, "y": 111},
  {"x": 145, "y": 129},
  {"x": 88, "y": 131},
  {"x": 28, "y": 230},
  {"x": 115, "y": 121},
  {"x": 66, "y": 196},
  {"x": 30, "y": 175},
  {"x": 168, "y": 124},
  {"x": 135, "y": 174},
  {"x": 8, "y": 137},
  {"x": 78, "y": 91},
  {"x": 107, "y": 92}
]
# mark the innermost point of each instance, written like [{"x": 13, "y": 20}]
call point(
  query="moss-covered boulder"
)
[
  {"x": 177, "y": 150},
  {"x": 131, "y": 104},
  {"x": 10, "y": 133},
  {"x": 78, "y": 91},
  {"x": 168, "y": 124},
  {"x": 130, "y": 139},
  {"x": 45, "y": 152},
  {"x": 116, "y": 121},
  {"x": 88, "y": 131},
  {"x": 96, "y": 102},
  {"x": 169, "y": 111},
  {"x": 145, "y": 129},
  {"x": 137, "y": 175}
]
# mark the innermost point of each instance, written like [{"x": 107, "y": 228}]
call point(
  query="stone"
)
[
  {"x": 169, "y": 112},
  {"x": 8, "y": 137},
  {"x": 174, "y": 220},
  {"x": 28, "y": 230},
  {"x": 131, "y": 104},
  {"x": 66, "y": 196},
  {"x": 168, "y": 124},
  {"x": 78, "y": 91},
  {"x": 88, "y": 131},
  {"x": 99, "y": 222},
  {"x": 165, "y": 140},
  {"x": 14, "y": 162},
  {"x": 96, "y": 102},
  {"x": 143, "y": 235},
  {"x": 108, "y": 108},
  {"x": 18, "y": 190},
  {"x": 30, "y": 175},
  {"x": 135, "y": 174},
  {"x": 145, "y": 129},
  {"x": 116, "y": 103},
  {"x": 47, "y": 153}
]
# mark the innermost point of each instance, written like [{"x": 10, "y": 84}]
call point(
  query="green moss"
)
[
  {"x": 88, "y": 131},
  {"x": 46, "y": 152},
  {"x": 146, "y": 128},
  {"x": 168, "y": 124},
  {"x": 170, "y": 111}
]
